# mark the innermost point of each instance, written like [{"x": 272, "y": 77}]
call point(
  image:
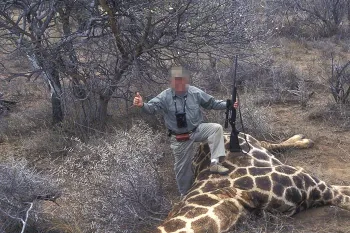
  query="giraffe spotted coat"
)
[{"x": 257, "y": 180}]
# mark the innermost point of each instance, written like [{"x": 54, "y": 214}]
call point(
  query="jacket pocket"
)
[{"x": 193, "y": 114}]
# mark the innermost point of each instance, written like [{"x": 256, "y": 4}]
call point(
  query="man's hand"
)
[
  {"x": 138, "y": 100},
  {"x": 235, "y": 105}
]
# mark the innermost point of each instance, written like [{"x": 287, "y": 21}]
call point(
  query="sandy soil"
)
[{"x": 329, "y": 160}]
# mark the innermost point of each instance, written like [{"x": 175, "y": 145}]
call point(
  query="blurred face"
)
[{"x": 179, "y": 84}]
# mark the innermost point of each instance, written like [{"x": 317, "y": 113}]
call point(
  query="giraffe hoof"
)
[
  {"x": 311, "y": 143},
  {"x": 307, "y": 143}
]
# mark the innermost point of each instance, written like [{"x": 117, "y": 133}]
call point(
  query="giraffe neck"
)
[{"x": 222, "y": 210}]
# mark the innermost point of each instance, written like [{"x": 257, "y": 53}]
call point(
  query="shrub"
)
[
  {"x": 113, "y": 183},
  {"x": 340, "y": 82},
  {"x": 334, "y": 114},
  {"x": 282, "y": 84},
  {"x": 22, "y": 192},
  {"x": 256, "y": 119},
  {"x": 312, "y": 18}
]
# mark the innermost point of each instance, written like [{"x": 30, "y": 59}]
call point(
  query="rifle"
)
[{"x": 231, "y": 115}]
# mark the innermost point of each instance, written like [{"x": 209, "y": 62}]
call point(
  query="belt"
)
[{"x": 174, "y": 133}]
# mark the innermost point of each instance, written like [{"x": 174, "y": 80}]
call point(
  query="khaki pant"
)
[{"x": 183, "y": 152}]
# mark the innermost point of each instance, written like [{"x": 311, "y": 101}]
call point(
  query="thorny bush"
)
[
  {"x": 22, "y": 192},
  {"x": 113, "y": 184}
]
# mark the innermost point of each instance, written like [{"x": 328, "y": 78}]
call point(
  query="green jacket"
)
[{"x": 195, "y": 98}]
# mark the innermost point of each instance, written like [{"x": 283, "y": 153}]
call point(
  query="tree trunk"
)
[
  {"x": 103, "y": 110},
  {"x": 57, "y": 113},
  {"x": 56, "y": 96},
  {"x": 51, "y": 75},
  {"x": 348, "y": 11}
]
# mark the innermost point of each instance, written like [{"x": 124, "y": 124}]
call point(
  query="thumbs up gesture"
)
[{"x": 138, "y": 100}]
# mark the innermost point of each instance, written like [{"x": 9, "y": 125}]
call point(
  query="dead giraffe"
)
[{"x": 257, "y": 180}]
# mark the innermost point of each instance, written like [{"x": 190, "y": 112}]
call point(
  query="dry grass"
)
[
  {"x": 332, "y": 114},
  {"x": 122, "y": 181},
  {"x": 264, "y": 222},
  {"x": 32, "y": 110},
  {"x": 22, "y": 191},
  {"x": 115, "y": 171}
]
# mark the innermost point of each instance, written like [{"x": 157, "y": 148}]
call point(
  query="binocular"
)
[{"x": 181, "y": 120}]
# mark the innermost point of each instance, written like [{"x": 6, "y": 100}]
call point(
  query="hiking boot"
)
[{"x": 218, "y": 168}]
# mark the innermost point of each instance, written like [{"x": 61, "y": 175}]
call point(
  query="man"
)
[{"x": 180, "y": 105}]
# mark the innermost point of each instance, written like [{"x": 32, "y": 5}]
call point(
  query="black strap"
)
[
  {"x": 241, "y": 119},
  {"x": 174, "y": 98},
  {"x": 170, "y": 132}
]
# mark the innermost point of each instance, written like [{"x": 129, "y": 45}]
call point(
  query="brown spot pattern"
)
[
  {"x": 327, "y": 195},
  {"x": 280, "y": 183},
  {"x": 298, "y": 182},
  {"x": 239, "y": 159},
  {"x": 278, "y": 189},
  {"x": 275, "y": 203},
  {"x": 204, "y": 225},
  {"x": 293, "y": 195},
  {"x": 227, "y": 212},
  {"x": 259, "y": 171},
  {"x": 263, "y": 183},
  {"x": 213, "y": 185},
  {"x": 260, "y": 155},
  {"x": 227, "y": 192},
  {"x": 209, "y": 186},
  {"x": 244, "y": 183},
  {"x": 285, "y": 169},
  {"x": 316, "y": 180},
  {"x": 308, "y": 181},
  {"x": 259, "y": 199},
  {"x": 229, "y": 166},
  {"x": 322, "y": 187},
  {"x": 315, "y": 194},
  {"x": 173, "y": 225},
  {"x": 195, "y": 212},
  {"x": 241, "y": 172},
  {"x": 203, "y": 200},
  {"x": 258, "y": 163},
  {"x": 204, "y": 175},
  {"x": 282, "y": 179}
]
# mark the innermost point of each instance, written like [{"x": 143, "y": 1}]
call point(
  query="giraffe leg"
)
[
  {"x": 295, "y": 138},
  {"x": 302, "y": 144},
  {"x": 296, "y": 142}
]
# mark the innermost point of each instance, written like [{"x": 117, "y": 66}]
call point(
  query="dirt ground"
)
[{"x": 328, "y": 159}]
